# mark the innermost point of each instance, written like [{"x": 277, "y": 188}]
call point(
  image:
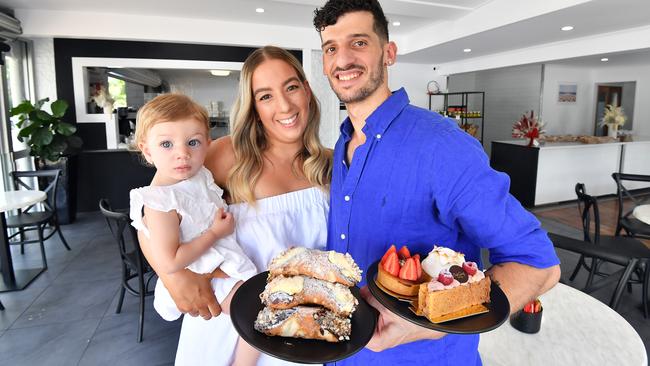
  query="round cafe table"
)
[
  {"x": 576, "y": 329},
  {"x": 15, "y": 279},
  {"x": 642, "y": 213}
]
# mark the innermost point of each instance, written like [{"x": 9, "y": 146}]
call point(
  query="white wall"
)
[
  {"x": 203, "y": 87},
  {"x": 509, "y": 93},
  {"x": 44, "y": 75},
  {"x": 329, "y": 102},
  {"x": 579, "y": 117},
  {"x": 414, "y": 78},
  {"x": 568, "y": 118},
  {"x": 639, "y": 72}
]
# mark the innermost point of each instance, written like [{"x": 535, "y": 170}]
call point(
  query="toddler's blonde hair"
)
[{"x": 167, "y": 108}]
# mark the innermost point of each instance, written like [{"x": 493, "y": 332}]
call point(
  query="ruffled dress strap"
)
[{"x": 159, "y": 198}]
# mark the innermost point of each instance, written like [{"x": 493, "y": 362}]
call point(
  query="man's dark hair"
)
[{"x": 330, "y": 13}]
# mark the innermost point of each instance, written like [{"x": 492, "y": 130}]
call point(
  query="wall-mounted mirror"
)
[{"x": 111, "y": 90}]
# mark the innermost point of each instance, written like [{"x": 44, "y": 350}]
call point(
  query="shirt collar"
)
[{"x": 381, "y": 118}]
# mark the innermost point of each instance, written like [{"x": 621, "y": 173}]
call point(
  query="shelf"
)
[{"x": 463, "y": 107}]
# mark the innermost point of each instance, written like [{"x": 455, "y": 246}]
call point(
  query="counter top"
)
[{"x": 562, "y": 145}]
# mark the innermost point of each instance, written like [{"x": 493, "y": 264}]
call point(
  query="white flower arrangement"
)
[
  {"x": 613, "y": 116},
  {"x": 102, "y": 98}
]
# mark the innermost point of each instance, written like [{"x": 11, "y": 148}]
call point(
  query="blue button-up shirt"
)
[{"x": 419, "y": 180}]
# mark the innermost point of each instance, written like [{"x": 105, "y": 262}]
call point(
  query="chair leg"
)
[
  {"x": 22, "y": 239},
  {"x": 121, "y": 300},
  {"x": 581, "y": 262},
  {"x": 58, "y": 229},
  {"x": 646, "y": 280},
  {"x": 125, "y": 275},
  {"x": 141, "y": 294},
  {"x": 2, "y": 307},
  {"x": 593, "y": 269},
  {"x": 42, "y": 244},
  {"x": 622, "y": 283}
]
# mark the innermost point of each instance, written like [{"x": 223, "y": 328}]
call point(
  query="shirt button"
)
[
  {"x": 378, "y": 136},
  {"x": 347, "y": 198},
  {"x": 343, "y": 236}
]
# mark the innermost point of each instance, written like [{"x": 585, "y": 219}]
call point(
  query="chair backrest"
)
[
  {"x": 623, "y": 193},
  {"x": 589, "y": 206},
  {"x": 125, "y": 235},
  {"x": 47, "y": 178}
]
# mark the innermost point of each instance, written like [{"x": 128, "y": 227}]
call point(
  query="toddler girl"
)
[{"x": 181, "y": 211}]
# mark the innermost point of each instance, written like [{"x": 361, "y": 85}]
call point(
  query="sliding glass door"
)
[{"x": 17, "y": 85}]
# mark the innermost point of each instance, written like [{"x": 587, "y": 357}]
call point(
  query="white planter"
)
[{"x": 612, "y": 131}]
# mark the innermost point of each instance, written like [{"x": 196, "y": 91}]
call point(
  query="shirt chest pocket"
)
[{"x": 405, "y": 210}]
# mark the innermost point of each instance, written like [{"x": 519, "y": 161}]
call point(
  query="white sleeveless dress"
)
[
  {"x": 196, "y": 200},
  {"x": 278, "y": 222}
]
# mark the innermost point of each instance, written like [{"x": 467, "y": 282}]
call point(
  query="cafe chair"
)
[
  {"x": 32, "y": 218},
  {"x": 628, "y": 252},
  {"x": 633, "y": 198},
  {"x": 134, "y": 264}
]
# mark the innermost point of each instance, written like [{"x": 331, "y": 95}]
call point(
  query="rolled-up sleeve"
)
[{"x": 475, "y": 199}]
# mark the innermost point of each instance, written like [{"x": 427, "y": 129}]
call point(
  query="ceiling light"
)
[
  {"x": 259, "y": 10},
  {"x": 397, "y": 24},
  {"x": 567, "y": 28},
  {"x": 220, "y": 72},
  {"x": 604, "y": 59},
  {"x": 466, "y": 50}
]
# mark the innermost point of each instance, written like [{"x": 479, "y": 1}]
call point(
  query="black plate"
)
[
  {"x": 499, "y": 310},
  {"x": 246, "y": 305}
]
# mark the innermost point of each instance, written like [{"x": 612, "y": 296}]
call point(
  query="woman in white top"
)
[{"x": 277, "y": 175}]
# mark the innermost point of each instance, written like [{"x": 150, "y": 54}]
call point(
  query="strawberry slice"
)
[
  {"x": 445, "y": 277},
  {"x": 409, "y": 270},
  {"x": 529, "y": 308},
  {"x": 392, "y": 264},
  {"x": 538, "y": 306},
  {"x": 470, "y": 268},
  {"x": 418, "y": 265},
  {"x": 404, "y": 252},
  {"x": 392, "y": 249}
]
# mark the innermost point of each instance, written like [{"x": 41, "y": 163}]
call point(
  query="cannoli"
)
[
  {"x": 304, "y": 322},
  {"x": 286, "y": 292},
  {"x": 324, "y": 265}
]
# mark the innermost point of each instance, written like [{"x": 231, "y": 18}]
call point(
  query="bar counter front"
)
[{"x": 548, "y": 173}]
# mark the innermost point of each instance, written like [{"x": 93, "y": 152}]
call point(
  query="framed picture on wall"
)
[{"x": 567, "y": 92}]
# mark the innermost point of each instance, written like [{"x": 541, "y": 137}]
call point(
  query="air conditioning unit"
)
[{"x": 10, "y": 27}]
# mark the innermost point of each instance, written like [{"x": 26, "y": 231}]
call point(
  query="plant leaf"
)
[
  {"x": 44, "y": 116},
  {"x": 24, "y": 107},
  {"x": 58, "y": 144},
  {"x": 59, "y": 107},
  {"x": 66, "y": 129},
  {"x": 40, "y": 103},
  {"x": 42, "y": 136},
  {"x": 75, "y": 142},
  {"x": 27, "y": 130}
]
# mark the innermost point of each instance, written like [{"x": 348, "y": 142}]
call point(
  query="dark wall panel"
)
[{"x": 112, "y": 174}]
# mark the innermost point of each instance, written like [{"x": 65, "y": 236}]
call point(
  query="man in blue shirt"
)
[{"x": 407, "y": 176}]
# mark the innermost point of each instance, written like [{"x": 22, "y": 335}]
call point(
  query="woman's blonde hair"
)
[
  {"x": 250, "y": 141},
  {"x": 167, "y": 108}
]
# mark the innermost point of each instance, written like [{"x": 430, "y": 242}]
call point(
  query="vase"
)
[{"x": 612, "y": 131}]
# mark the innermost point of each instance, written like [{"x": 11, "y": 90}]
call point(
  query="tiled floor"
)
[{"x": 67, "y": 316}]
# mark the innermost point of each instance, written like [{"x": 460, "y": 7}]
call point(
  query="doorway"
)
[{"x": 619, "y": 94}]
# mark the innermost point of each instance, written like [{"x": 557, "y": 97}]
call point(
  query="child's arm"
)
[{"x": 169, "y": 255}]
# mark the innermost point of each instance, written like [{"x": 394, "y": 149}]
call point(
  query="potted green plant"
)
[
  {"x": 49, "y": 138},
  {"x": 52, "y": 142}
]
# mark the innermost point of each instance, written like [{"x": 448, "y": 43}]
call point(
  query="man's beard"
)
[{"x": 374, "y": 82}]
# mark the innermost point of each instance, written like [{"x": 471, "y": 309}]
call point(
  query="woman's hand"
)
[
  {"x": 193, "y": 293},
  {"x": 391, "y": 330}
]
